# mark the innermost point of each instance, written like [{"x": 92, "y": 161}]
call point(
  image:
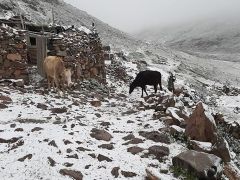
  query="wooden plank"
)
[{"x": 41, "y": 53}]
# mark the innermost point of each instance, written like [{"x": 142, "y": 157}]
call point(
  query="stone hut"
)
[{"x": 81, "y": 48}]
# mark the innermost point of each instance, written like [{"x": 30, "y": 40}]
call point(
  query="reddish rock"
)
[
  {"x": 156, "y": 136},
  {"x": 159, "y": 151},
  {"x": 128, "y": 174},
  {"x": 5, "y": 99},
  {"x": 231, "y": 172},
  {"x": 106, "y": 146},
  {"x": 201, "y": 146},
  {"x": 59, "y": 110},
  {"x": 96, "y": 103},
  {"x": 36, "y": 129},
  {"x": 77, "y": 175},
  {"x": 128, "y": 137},
  {"x": 221, "y": 149},
  {"x": 3, "y": 106},
  {"x": 201, "y": 125},
  {"x": 135, "y": 150},
  {"x": 100, "y": 135},
  {"x": 103, "y": 158},
  {"x": 115, "y": 172},
  {"x": 134, "y": 141}
]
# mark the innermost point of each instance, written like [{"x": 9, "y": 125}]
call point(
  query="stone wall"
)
[
  {"x": 13, "y": 54},
  {"x": 82, "y": 51}
]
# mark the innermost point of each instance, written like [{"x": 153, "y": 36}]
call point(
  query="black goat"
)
[{"x": 144, "y": 78}]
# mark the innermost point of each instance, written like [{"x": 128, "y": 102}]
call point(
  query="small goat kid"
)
[{"x": 56, "y": 72}]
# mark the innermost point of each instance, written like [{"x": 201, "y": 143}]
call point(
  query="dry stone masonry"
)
[
  {"x": 13, "y": 54},
  {"x": 82, "y": 51}
]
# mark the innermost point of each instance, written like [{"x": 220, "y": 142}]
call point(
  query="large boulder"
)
[
  {"x": 201, "y": 125},
  {"x": 199, "y": 164}
]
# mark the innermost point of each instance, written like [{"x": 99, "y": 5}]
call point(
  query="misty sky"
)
[{"x": 136, "y": 15}]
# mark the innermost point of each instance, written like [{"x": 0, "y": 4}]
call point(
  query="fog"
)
[{"x": 136, "y": 15}]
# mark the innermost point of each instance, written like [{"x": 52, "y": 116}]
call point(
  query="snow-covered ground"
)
[{"x": 71, "y": 131}]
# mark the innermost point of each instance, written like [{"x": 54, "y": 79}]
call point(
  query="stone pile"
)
[
  {"x": 82, "y": 51},
  {"x": 13, "y": 54},
  {"x": 199, "y": 129}
]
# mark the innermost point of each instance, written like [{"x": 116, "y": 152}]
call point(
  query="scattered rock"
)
[
  {"x": 201, "y": 146},
  {"x": 115, "y": 172},
  {"x": 231, "y": 171},
  {"x": 18, "y": 129},
  {"x": 5, "y": 99},
  {"x": 92, "y": 155},
  {"x": 135, "y": 150},
  {"x": 106, "y": 146},
  {"x": 173, "y": 112},
  {"x": 69, "y": 150},
  {"x": 29, "y": 156},
  {"x": 100, "y": 135},
  {"x": 134, "y": 141},
  {"x": 103, "y": 158},
  {"x": 129, "y": 121},
  {"x": 200, "y": 164},
  {"x": 3, "y": 106},
  {"x": 59, "y": 110},
  {"x": 13, "y": 125},
  {"x": 74, "y": 156},
  {"x": 158, "y": 151},
  {"x": 52, "y": 143},
  {"x": 221, "y": 149},
  {"x": 42, "y": 106},
  {"x": 156, "y": 136},
  {"x": 176, "y": 130},
  {"x": 128, "y": 137},
  {"x": 98, "y": 115},
  {"x": 128, "y": 174},
  {"x": 66, "y": 142},
  {"x": 168, "y": 120},
  {"x": 67, "y": 164},
  {"x": 17, "y": 144},
  {"x": 36, "y": 129},
  {"x": 83, "y": 149},
  {"x": 168, "y": 101},
  {"x": 150, "y": 176},
  {"x": 96, "y": 103},
  {"x": 12, "y": 140},
  {"x": 51, "y": 161},
  {"x": 201, "y": 125},
  {"x": 105, "y": 124},
  {"x": 77, "y": 175},
  {"x": 87, "y": 166}
]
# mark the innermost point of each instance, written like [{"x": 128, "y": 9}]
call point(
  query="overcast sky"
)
[{"x": 136, "y": 15}]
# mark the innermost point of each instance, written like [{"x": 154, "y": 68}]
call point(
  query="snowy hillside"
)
[
  {"x": 216, "y": 38},
  {"x": 65, "y": 14}
]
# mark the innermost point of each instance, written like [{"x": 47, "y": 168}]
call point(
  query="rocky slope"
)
[
  {"x": 100, "y": 132},
  {"x": 65, "y": 14}
]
